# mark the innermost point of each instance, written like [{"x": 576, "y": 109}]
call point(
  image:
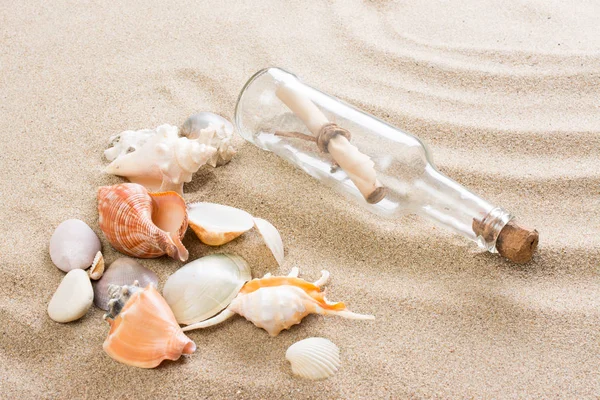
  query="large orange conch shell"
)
[
  {"x": 275, "y": 303},
  {"x": 143, "y": 224},
  {"x": 143, "y": 329}
]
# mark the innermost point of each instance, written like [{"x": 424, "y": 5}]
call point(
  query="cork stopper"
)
[
  {"x": 514, "y": 241},
  {"x": 377, "y": 195},
  {"x": 517, "y": 243}
]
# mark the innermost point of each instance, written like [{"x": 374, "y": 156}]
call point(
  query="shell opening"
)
[
  {"x": 169, "y": 214},
  {"x": 169, "y": 211},
  {"x": 177, "y": 250}
]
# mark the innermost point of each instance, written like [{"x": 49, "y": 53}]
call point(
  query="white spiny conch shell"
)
[
  {"x": 314, "y": 358},
  {"x": 122, "y": 271},
  {"x": 127, "y": 142},
  {"x": 142, "y": 224},
  {"x": 163, "y": 162},
  {"x": 97, "y": 269},
  {"x": 217, "y": 224},
  {"x": 143, "y": 330},
  {"x": 212, "y": 130},
  {"x": 202, "y": 288},
  {"x": 275, "y": 303},
  {"x": 73, "y": 245},
  {"x": 272, "y": 238}
]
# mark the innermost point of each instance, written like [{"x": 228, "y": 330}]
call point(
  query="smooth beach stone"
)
[
  {"x": 73, "y": 245},
  {"x": 123, "y": 271},
  {"x": 73, "y": 297}
]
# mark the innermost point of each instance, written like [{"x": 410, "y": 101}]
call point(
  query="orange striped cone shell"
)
[
  {"x": 143, "y": 224},
  {"x": 145, "y": 332}
]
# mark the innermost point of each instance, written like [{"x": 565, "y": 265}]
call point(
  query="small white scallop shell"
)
[
  {"x": 202, "y": 288},
  {"x": 314, "y": 358}
]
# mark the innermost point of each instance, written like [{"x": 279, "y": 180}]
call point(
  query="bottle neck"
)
[
  {"x": 489, "y": 228},
  {"x": 451, "y": 205}
]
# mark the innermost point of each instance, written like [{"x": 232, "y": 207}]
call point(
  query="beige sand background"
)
[{"x": 506, "y": 96}]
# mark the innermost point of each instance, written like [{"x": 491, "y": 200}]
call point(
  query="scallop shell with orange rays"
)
[
  {"x": 275, "y": 303},
  {"x": 143, "y": 329},
  {"x": 143, "y": 224}
]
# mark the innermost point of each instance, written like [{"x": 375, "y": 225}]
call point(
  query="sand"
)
[{"x": 505, "y": 95}]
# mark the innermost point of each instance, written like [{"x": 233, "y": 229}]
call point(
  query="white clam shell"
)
[
  {"x": 72, "y": 298},
  {"x": 314, "y": 358},
  {"x": 123, "y": 271},
  {"x": 217, "y": 224},
  {"x": 73, "y": 245},
  {"x": 204, "y": 287},
  {"x": 271, "y": 237}
]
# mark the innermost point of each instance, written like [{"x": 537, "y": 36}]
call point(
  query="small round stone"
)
[
  {"x": 73, "y": 297},
  {"x": 73, "y": 245},
  {"x": 123, "y": 271}
]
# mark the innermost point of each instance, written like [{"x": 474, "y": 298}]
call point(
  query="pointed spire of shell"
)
[{"x": 119, "y": 295}]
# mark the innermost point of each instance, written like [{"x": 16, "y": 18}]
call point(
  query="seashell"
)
[
  {"x": 275, "y": 303},
  {"x": 73, "y": 245},
  {"x": 272, "y": 238},
  {"x": 202, "y": 288},
  {"x": 161, "y": 162},
  {"x": 127, "y": 142},
  {"x": 97, "y": 269},
  {"x": 121, "y": 272},
  {"x": 142, "y": 224},
  {"x": 72, "y": 298},
  {"x": 143, "y": 330},
  {"x": 203, "y": 120},
  {"x": 213, "y": 130},
  {"x": 216, "y": 224},
  {"x": 314, "y": 358}
]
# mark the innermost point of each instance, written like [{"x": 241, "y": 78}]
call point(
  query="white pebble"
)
[
  {"x": 73, "y": 297},
  {"x": 73, "y": 245}
]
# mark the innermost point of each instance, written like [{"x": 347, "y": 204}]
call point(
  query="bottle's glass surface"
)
[{"x": 402, "y": 162}]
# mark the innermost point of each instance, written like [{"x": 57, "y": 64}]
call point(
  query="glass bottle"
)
[{"x": 385, "y": 169}]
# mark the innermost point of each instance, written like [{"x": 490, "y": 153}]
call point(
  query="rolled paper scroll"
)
[{"x": 334, "y": 140}]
